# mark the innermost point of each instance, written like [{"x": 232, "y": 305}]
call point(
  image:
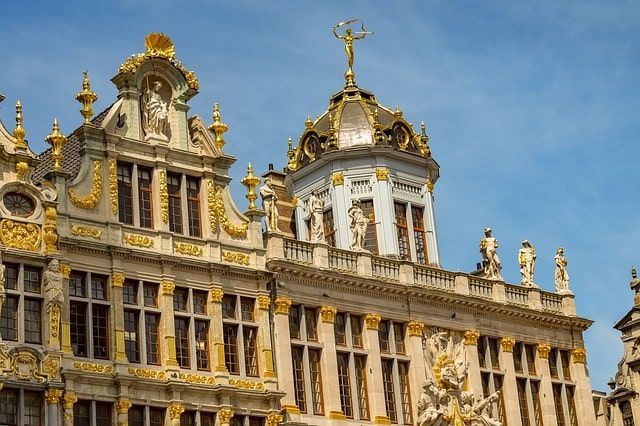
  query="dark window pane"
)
[
  {"x": 136, "y": 416},
  {"x": 405, "y": 395},
  {"x": 329, "y": 229},
  {"x": 32, "y": 320},
  {"x": 151, "y": 323},
  {"x": 103, "y": 413},
  {"x": 11, "y": 276},
  {"x": 76, "y": 284},
  {"x": 31, "y": 279},
  {"x": 207, "y": 419},
  {"x": 156, "y": 416},
  {"x": 339, "y": 328},
  {"x": 383, "y": 336},
  {"x": 175, "y": 203},
  {"x": 298, "y": 377},
  {"x": 199, "y": 302},
  {"x": 398, "y": 337},
  {"x": 182, "y": 342},
  {"x": 246, "y": 308},
  {"x": 311, "y": 322},
  {"x": 100, "y": 331},
  {"x": 419, "y": 235},
  {"x": 78, "y": 328},
  {"x": 344, "y": 384},
  {"x": 250, "y": 351},
  {"x": 82, "y": 413},
  {"x": 402, "y": 231},
  {"x": 9, "y": 319},
  {"x": 125, "y": 204},
  {"x": 130, "y": 292},
  {"x": 188, "y": 418},
  {"x": 361, "y": 386},
  {"x": 180, "y": 296},
  {"x": 33, "y": 405},
  {"x": 202, "y": 344},
  {"x": 228, "y": 306},
  {"x": 98, "y": 287},
  {"x": 356, "y": 331},
  {"x": 389, "y": 394},
  {"x": 316, "y": 381},
  {"x": 145, "y": 202},
  {"x": 231, "y": 348},
  {"x": 151, "y": 295},
  {"x": 193, "y": 204},
  {"x": 371, "y": 237},
  {"x": 522, "y": 398},
  {"x": 294, "y": 321},
  {"x": 9, "y": 407},
  {"x": 131, "y": 340}
]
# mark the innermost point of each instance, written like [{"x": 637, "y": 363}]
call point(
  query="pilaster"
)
[
  {"x": 167, "y": 287},
  {"x": 216, "y": 335},
  {"x": 512, "y": 408},
  {"x": 122, "y": 410},
  {"x": 329, "y": 362},
  {"x": 374, "y": 366},
  {"x": 546, "y": 390},
  {"x": 430, "y": 223},
  {"x": 284, "y": 365},
  {"x": 175, "y": 411},
  {"x": 68, "y": 400},
  {"x": 265, "y": 363},
  {"x": 341, "y": 205},
  {"x": 385, "y": 215},
  {"x": 473, "y": 375},
  {"x": 65, "y": 324},
  {"x": 583, "y": 398},
  {"x": 53, "y": 396},
  {"x": 417, "y": 371},
  {"x": 223, "y": 418},
  {"x": 117, "y": 281}
]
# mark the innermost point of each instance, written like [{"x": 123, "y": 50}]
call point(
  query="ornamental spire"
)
[
  {"x": 349, "y": 37},
  {"x": 251, "y": 181},
  {"x": 56, "y": 139},
  {"x": 86, "y": 98},
  {"x": 19, "y": 132},
  {"x": 218, "y": 128}
]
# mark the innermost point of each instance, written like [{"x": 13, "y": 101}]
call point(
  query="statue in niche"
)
[
  {"x": 52, "y": 279},
  {"x": 561, "y": 274},
  {"x": 316, "y": 213},
  {"x": 155, "y": 111},
  {"x": 490, "y": 260},
  {"x": 527, "y": 261},
  {"x": 269, "y": 199},
  {"x": 358, "y": 226}
]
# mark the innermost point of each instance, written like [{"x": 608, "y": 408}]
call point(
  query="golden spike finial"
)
[
  {"x": 86, "y": 98},
  {"x": 218, "y": 127},
  {"x": 397, "y": 113},
  {"x": 19, "y": 132},
  {"x": 251, "y": 181},
  {"x": 349, "y": 37},
  {"x": 423, "y": 129},
  {"x": 56, "y": 139},
  {"x": 308, "y": 122},
  {"x": 290, "y": 148}
]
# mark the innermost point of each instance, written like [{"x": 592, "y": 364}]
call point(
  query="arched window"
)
[{"x": 18, "y": 204}]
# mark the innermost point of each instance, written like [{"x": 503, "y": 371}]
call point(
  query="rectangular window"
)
[
  {"x": 103, "y": 413},
  {"x": 150, "y": 295},
  {"x": 383, "y": 336},
  {"x": 175, "y": 202},
  {"x": 535, "y": 396},
  {"x": 199, "y": 302},
  {"x": 82, "y": 413},
  {"x": 371, "y": 237},
  {"x": 98, "y": 287},
  {"x": 230, "y": 333},
  {"x": 228, "y": 306},
  {"x": 398, "y": 337},
  {"x": 100, "y": 330},
  {"x": 202, "y": 344},
  {"x": 316, "y": 381},
  {"x": 356, "y": 331},
  {"x": 557, "y": 400},
  {"x": 151, "y": 325},
  {"x": 125, "y": 203},
  {"x": 11, "y": 276},
  {"x": 522, "y": 399},
  {"x": 482, "y": 352},
  {"x": 517, "y": 357},
  {"x": 344, "y": 384},
  {"x": 339, "y": 328},
  {"x": 9, "y": 401},
  {"x": 156, "y": 416},
  {"x": 531, "y": 358},
  {"x": 182, "y": 342},
  {"x": 180, "y": 297},
  {"x": 493, "y": 351},
  {"x": 250, "y": 351},
  {"x": 131, "y": 342},
  {"x": 32, "y": 279},
  {"x": 78, "y": 314},
  {"x": 419, "y": 235},
  {"x": 311, "y": 322},
  {"x": 298, "y": 377},
  {"x": 247, "y": 305},
  {"x": 498, "y": 380},
  {"x": 9, "y": 319},
  {"x": 389, "y": 395},
  {"x": 571, "y": 400},
  {"x": 553, "y": 362},
  {"x": 193, "y": 205},
  {"x": 32, "y": 320},
  {"x": 76, "y": 284},
  {"x": 402, "y": 231},
  {"x": 145, "y": 201},
  {"x": 207, "y": 419},
  {"x": 329, "y": 229},
  {"x": 294, "y": 321},
  {"x": 188, "y": 418},
  {"x": 33, "y": 405},
  {"x": 564, "y": 358},
  {"x": 136, "y": 415},
  {"x": 130, "y": 292},
  {"x": 361, "y": 385},
  {"x": 405, "y": 395},
  {"x": 25, "y": 412}
]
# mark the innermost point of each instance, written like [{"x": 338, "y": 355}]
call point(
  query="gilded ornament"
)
[
  {"x": 92, "y": 199},
  {"x": 19, "y": 132},
  {"x": 235, "y": 257},
  {"x": 579, "y": 355},
  {"x": 382, "y": 173},
  {"x": 216, "y": 295},
  {"x": 381, "y": 420},
  {"x": 349, "y": 37},
  {"x": 251, "y": 181},
  {"x": 164, "y": 197},
  {"x": 57, "y": 140},
  {"x": 430, "y": 185},
  {"x": 337, "y": 415},
  {"x": 415, "y": 328},
  {"x": 69, "y": 399},
  {"x": 328, "y": 313},
  {"x": 117, "y": 279},
  {"x": 19, "y": 235},
  {"x": 282, "y": 305},
  {"x": 198, "y": 379},
  {"x": 50, "y": 232},
  {"x": 218, "y": 215},
  {"x": 264, "y": 302},
  {"x": 92, "y": 367},
  {"x": 507, "y": 344},
  {"x": 190, "y": 249},
  {"x": 123, "y": 405},
  {"x": 224, "y": 415},
  {"x": 158, "y": 45},
  {"x": 168, "y": 287},
  {"x": 471, "y": 337},
  {"x": 113, "y": 186},
  {"x": 291, "y": 409},
  {"x": 51, "y": 367},
  {"x": 175, "y": 410},
  {"x": 337, "y": 178},
  {"x": 86, "y": 231},
  {"x": 138, "y": 240},
  {"x": 21, "y": 169},
  {"x": 246, "y": 384},
  {"x": 274, "y": 419},
  {"x": 294, "y": 201},
  {"x": 65, "y": 269},
  {"x": 25, "y": 366},
  {"x": 86, "y": 98},
  {"x": 218, "y": 128},
  {"x": 543, "y": 350},
  {"x": 53, "y": 395},
  {"x": 54, "y": 312},
  {"x": 145, "y": 373},
  {"x": 372, "y": 321}
]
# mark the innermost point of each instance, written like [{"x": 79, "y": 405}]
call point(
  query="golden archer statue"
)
[{"x": 349, "y": 36}]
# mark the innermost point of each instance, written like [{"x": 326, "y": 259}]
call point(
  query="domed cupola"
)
[{"x": 361, "y": 153}]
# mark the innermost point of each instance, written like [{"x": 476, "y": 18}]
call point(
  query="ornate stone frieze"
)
[
  {"x": 264, "y": 302},
  {"x": 147, "y": 373},
  {"x": 282, "y": 305},
  {"x": 579, "y": 355},
  {"x": 507, "y": 344},
  {"x": 92, "y": 199},
  {"x": 113, "y": 186},
  {"x": 415, "y": 328},
  {"x": 198, "y": 379},
  {"x": 218, "y": 215},
  {"x": 23, "y": 364},
  {"x": 189, "y": 249},
  {"x": 337, "y": 178},
  {"x": 246, "y": 384},
  {"x": 168, "y": 287},
  {"x": 543, "y": 350},
  {"x": 92, "y": 367},
  {"x": 471, "y": 337},
  {"x": 236, "y": 257},
  {"x": 328, "y": 313},
  {"x": 372, "y": 321},
  {"x": 117, "y": 279},
  {"x": 216, "y": 295},
  {"x": 20, "y": 235},
  {"x": 164, "y": 197},
  {"x": 86, "y": 231},
  {"x": 138, "y": 240},
  {"x": 382, "y": 173}
]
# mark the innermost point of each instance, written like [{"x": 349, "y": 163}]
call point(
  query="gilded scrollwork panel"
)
[{"x": 92, "y": 199}]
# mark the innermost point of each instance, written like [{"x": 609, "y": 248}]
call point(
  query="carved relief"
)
[
  {"x": 50, "y": 234},
  {"x": 168, "y": 287},
  {"x": 579, "y": 355},
  {"x": 235, "y": 257},
  {"x": 507, "y": 344},
  {"x": 86, "y": 231},
  {"x": 92, "y": 367},
  {"x": 53, "y": 396},
  {"x": 19, "y": 235},
  {"x": 415, "y": 328},
  {"x": 198, "y": 379},
  {"x": 264, "y": 302},
  {"x": 543, "y": 350},
  {"x": 282, "y": 305},
  {"x": 372, "y": 321},
  {"x": 471, "y": 337},
  {"x": 246, "y": 384},
  {"x": 146, "y": 373},
  {"x": 189, "y": 249},
  {"x": 216, "y": 295},
  {"x": 175, "y": 410},
  {"x": 92, "y": 199},
  {"x": 113, "y": 186},
  {"x": 138, "y": 240},
  {"x": 164, "y": 197},
  {"x": 218, "y": 215}
]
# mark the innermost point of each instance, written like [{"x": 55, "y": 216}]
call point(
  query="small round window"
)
[
  {"x": 18, "y": 204},
  {"x": 400, "y": 136}
]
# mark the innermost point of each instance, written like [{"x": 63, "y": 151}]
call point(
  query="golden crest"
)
[{"x": 159, "y": 44}]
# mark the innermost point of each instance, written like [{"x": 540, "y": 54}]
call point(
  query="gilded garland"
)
[
  {"x": 92, "y": 199},
  {"x": 218, "y": 215},
  {"x": 164, "y": 197},
  {"x": 113, "y": 186}
]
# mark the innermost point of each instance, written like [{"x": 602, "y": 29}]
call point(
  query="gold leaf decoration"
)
[
  {"x": 92, "y": 199},
  {"x": 218, "y": 214},
  {"x": 164, "y": 197},
  {"x": 190, "y": 249},
  {"x": 86, "y": 231},
  {"x": 113, "y": 186},
  {"x": 138, "y": 240},
  {"x": 19, "y": 235},
  {"x": 235, "y": 257}
]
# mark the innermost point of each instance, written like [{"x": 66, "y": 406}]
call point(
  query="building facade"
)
[{"x": 136, "y": 292}]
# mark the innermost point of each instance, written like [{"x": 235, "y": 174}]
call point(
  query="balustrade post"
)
[
  {"x": 535, "y": 299},
  {"x": 499, "y": 292},
  {"x": 406, "y": 273},
  {"x": 320, "y": 255},
  {"x": 569, "y": 305},
  {"x": 461, "y": 284},
  {"x": 365, "y": 269},
  {"x": 275, "y": 246}
]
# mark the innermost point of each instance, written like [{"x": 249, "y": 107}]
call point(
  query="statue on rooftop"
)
[
  {"x": 527, "y": 261},
  {"x": 316, "y": 212},
  {"x": 155, "y": 111},
  {"x": 358, "y": 225},
  {"x": 349, "y": 37},
  {"x": 561, "y": 274},
  {"x": 269, "y": 198},
  {"x": 490, "y": 260}
]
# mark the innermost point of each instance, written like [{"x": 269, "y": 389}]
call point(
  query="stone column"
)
[
  {"x": 329, "y": 363},
  {"x": 284, "y": 364},
  {"x": 122, "y": 410},
  {"x": 68, "y": 400},
  {"x": 216, "y": 336},
  {"x": 168, "y": 344},
  {"x": 582, "y": 395},
  {"x": 385, "y": 214},
  {"x": 473, "y": 376},
  {"x": 265, "y": 363},
  {"x": 342, "y": 203},
  {"x": 546, "y": 390},
  {"x": 65, "y": 324},
  {"x": 53, "y": 397},
  {"x": 417, "y": 371},
  {"x": 175, "y": 411},
  {"x": 509, "y": 387},
  {"x": 430, "y": 225},
  {"x": 117, "y": 280},
  {"x": 375, "y": 387}
]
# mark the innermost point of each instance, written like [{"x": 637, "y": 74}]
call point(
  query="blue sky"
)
[{"x": 531, "y": 107}]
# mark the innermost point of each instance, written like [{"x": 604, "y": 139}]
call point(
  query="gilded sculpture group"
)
[{"x": 491, "y": 265}]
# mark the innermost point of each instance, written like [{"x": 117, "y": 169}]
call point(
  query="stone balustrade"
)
[{"x": 407, "y": 273}]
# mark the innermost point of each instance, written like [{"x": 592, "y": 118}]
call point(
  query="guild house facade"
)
[{"x": 135, "y": 291}]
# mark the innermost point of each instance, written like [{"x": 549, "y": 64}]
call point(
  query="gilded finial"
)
[
  {"x": 86, "y": 98},
  {"x": 349, "y": 37},
  {"x": 19, "y": 132},
  {"x": 397, "y": 113},
  {"x": 218, "y": 127},
  {"x": 251, "y": 181},
  {"x": 308, "y": 123},
  {"x": 290, "y": 152},
  {"x": 56, "y": 139}
]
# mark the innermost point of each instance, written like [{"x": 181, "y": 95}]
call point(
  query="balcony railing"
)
[
  {"x": 519, "y": 295},
  {"x": 298, "y": 251},
  {"x": 480, "y": 287},
  {"x": 343, "y": 260},
  {"x": 433, "y": 277},
  {"x": 385, "y": 268},
  {"x": 551, "y": 301}
]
